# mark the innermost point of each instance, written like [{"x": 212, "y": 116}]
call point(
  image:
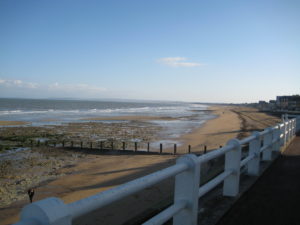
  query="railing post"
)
[
  {"x": 281, "y": 133},
  {"x": 49, "y": 211},
  {"x": 284, "y": 128},
  {"x": 267, "y": 154},
  {"x": 288, "y": 135},
  {"x": 288, "y": 128},
  {"x": 276, "y": 137},
  {"x": 294, "y": 127},
  {"x": 291, "y": 129},
  {"x": 186, "y": 189},
  {"x": 135, "y": 146},
  {"x": 254, "y": 148},
  {"x": 295, "y": 131},
  {"x": 232, "y": 163}
]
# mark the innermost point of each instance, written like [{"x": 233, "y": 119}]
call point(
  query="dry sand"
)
[
  {"x": 100, "y": 172},
  {"x": 231, "y": 122},
  {"x": 214, "y": 132}
]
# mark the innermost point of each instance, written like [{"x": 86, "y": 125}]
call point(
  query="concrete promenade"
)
[{"x": 275, "y": 198}]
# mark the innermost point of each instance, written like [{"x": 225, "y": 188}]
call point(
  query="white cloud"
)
[
  {"x": 178, "y": 62},
  {"x": 18, "y": 83},
  {"x": 75, "y": 87},
  {"x": 13, "y": 86}
]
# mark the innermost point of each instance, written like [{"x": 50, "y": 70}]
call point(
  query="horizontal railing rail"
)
[{"x": 187, "y": 189}]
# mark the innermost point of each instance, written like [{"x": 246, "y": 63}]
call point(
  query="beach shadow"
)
[
  {"x": 97, "y": 151},
  {"x": 139, "y": 172},
  {"x": 119, "y": 171}
]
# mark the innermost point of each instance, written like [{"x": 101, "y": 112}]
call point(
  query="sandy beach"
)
[
  {"x": 231, "y": 122},
  {"x": 93, "y": 173}
]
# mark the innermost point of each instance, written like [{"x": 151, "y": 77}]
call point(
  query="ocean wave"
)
[
  {"x": 95, "y": 111},
  {"x": 39, "y": 116},
  {"x": 20, "y": 112}
]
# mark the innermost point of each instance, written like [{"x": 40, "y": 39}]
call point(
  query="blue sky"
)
[{"x": 207, "y": 51}]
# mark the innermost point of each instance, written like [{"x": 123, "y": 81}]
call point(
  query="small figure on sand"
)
[{"x": 30, "y": 194}]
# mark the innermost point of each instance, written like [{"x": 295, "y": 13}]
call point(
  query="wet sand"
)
[
  {"x": 96, "y": 173},
  {"x": 13, "y": 123},
  {"x": 130, "y": 118}
]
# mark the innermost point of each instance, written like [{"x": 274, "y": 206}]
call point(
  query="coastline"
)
[
  {"x": 213, "y": 132},
  {"x": 95, "y": 173},
  {"x": 230, "y": 122}
]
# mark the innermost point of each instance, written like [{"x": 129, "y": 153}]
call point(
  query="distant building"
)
[
  {"x": 263, "y": 105},
  {"x": 272, "y": 104},
  {"x": 291, "y": 102}
]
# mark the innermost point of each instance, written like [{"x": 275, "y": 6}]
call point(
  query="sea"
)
[{"x": 43, "y": 112}]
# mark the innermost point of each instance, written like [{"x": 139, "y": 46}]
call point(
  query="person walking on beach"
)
[{"x": 30, "y": 194}]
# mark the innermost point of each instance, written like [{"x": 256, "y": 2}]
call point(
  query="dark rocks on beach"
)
[
  {"x": 27, "y": 169},
  {"x": 76, "y": 132},
  {"x": 24, "y": 169}
]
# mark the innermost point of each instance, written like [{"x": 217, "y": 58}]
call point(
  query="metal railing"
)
[{"x": 186, "y": 171}]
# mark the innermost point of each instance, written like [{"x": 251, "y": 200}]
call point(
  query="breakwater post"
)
[{"x": 135, "y": 146}]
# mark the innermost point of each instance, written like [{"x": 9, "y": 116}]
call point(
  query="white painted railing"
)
[{"x": 184, "y": 210}]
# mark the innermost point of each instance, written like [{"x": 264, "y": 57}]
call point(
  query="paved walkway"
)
[{"x": 275, "y": 197}]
